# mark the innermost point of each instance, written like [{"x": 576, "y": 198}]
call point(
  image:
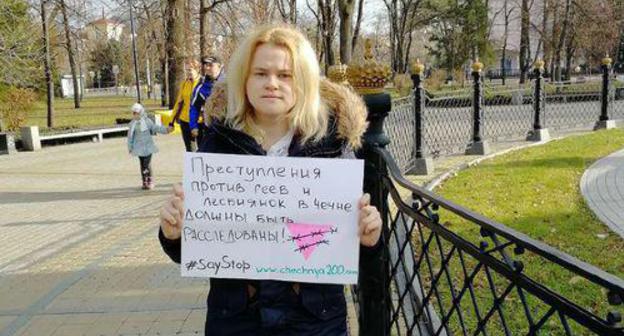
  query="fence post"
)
[
  {"x": 604, "y": 122},
  {"x": 369, "y": 78},
  {"x": 423, "y": 164},
  {"x": 539, "y": 133},
  {"x": 478, "y": 146}
]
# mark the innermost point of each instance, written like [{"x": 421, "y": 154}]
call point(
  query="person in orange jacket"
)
[{"x": 183, "y": 105}]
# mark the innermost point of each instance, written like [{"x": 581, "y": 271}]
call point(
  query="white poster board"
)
[{"x": 281, "y": 218}]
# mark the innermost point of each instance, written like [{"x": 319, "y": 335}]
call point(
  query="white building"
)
[{"x": 104, "y": 29}]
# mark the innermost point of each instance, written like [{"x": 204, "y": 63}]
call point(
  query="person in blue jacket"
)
[
  {"x": 212, "y": 73},
  {"x": 277, "y": 105}
]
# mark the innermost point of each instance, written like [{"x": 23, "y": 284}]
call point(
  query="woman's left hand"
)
[{"x": 369, "y": 222}]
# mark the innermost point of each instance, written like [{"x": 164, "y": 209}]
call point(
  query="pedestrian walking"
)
[{"x": 141, "y": 144}]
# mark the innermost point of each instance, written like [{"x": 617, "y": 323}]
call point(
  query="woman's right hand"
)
[{"x": 172, "y": 214}]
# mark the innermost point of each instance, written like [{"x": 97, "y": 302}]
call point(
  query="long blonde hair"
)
[{"x": 309, "y": 116}]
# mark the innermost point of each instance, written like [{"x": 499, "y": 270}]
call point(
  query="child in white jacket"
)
[{"x": 140, "y": 142}]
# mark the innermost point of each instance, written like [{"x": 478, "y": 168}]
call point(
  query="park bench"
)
[{"x": 31, "y": 140}]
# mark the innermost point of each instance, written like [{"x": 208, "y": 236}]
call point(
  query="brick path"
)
[
  {"x": 78, "y": 250},
  {"x": 602, "y": 186}
]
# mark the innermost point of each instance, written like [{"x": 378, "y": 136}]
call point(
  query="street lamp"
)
[
  {"x": 92, "y": 76},
  {"x": 134, "y": 53},
  {"x": 116, "y": 72}
]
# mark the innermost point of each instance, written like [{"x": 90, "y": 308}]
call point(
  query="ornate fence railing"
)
[
  {"x": 507, "y": 113},
  {"x": 485, "y": 280},
  {"x": 442, "y": 269},
  {"x": 572, "y": 105},
  {"x": 465, "y": 121},
  {"x": 401, "y": 124}
]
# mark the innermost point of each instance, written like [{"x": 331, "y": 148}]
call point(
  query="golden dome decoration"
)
[
  {"x": 417, "y": 68},
  {"x": 477, "y": 66},
  {"x": 337, "y": 73},
  {"x": 539, "y": 64},
  {"x": 369, "y": 76}
]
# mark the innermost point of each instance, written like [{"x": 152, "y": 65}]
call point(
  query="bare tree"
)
[
  {"x": 47, "y": 64},
  {"x": 259, "y": 11},
  {"x": 345, "y": 9},
  {"x": 70, "y": 53},
  {"x": 594, "y": 28},
  {"x": 206, "y": 7},
  {"x": 358, "y": 23},
  {"x": 404, "y": 17},
  {"x": 525, "y": 43},
  {"x": 188, "y": 30},
  {"x": 327, "y": 15},
  {"x": 174, "y": 45},
  {"x": 156, "y": 28},
  {"x": 507, "y": 15},
  {"x": 288, "y": 10},
  {"x": 562, "y": 40},
  {"x": 317, "y": 36}
]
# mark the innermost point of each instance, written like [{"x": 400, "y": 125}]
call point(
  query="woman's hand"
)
[
  {"x": 172, "y": 214},
  {"x": 369, "y": 222}
]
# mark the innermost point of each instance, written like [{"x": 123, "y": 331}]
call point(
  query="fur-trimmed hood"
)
[{"x": 347, "y": 107}]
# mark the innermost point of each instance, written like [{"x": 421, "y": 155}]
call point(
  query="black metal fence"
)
[
  {"x": 449, "y": 122},
  {"x": 431, "y": 278}
]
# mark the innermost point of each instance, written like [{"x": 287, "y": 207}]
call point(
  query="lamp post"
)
[
  {"x": 116, "y": 72},
  {"x": 134, "y": 53},
  {"x": 92, "y": 76}
]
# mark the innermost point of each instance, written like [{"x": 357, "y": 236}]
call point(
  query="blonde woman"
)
[{"x": 277, "y": 105}]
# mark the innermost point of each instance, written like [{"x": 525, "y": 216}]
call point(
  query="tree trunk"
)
[
  {"x": 288, "y": 10},
  {"x": 345, "y": 8},
  {"x": 327, "y": 29},
  {"x": 47, "y": 64},
  {"x": 524, "y": 41},
  {"x": 70, "y": 54},
  {"x": 507, "y": 14},
  {"x": 358, "y": 23},
  {"x": 204, "y": 24},
  {"x": 162, "y": 56},
  {"x": 562, "y": 39},
  {"x": 188, "y": 31},
  {"x": 164, "y": 82},
  {"x": 568, "y": 61},
  {"x": 174, "y": 44}
]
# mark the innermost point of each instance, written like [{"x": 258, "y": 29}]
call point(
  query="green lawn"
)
[
  {"x": 94, "y": 111},
  {"x": 536, "y": 191}
]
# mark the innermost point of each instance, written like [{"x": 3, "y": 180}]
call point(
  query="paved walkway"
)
[
  {"x": 602, "y": 185},
  {"x": 78, "y": 249}
]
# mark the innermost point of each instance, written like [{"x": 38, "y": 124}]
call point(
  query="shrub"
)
[
  {"x": 435, "y": 81},
  {"x": 15, "y": 103},
  {"x": 403, "y": 84}
]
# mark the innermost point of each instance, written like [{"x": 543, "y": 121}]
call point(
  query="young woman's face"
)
[{"x": 269, "y": 85}]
